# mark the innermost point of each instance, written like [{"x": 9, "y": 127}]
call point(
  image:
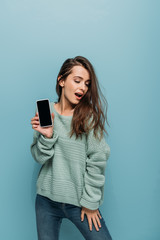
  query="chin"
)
[{"x": 74, "y": 103}]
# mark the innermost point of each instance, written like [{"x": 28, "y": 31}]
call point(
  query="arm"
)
[
  {"x": 94, "y": 178},
  {"x": 42, "y": 148}
]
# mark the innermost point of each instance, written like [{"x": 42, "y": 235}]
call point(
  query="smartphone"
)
[{"x": 44, "y": 113}]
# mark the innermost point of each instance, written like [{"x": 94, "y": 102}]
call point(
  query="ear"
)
[
  {"x": 59, "y": 77},
  {"x": 61, "y": 81}
]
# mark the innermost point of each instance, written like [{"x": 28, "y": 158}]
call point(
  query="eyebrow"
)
[{"x": 82, "y": 78}]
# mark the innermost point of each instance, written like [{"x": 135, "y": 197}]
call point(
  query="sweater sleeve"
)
[
  {"x": 42, "y": 148},
  {"x": 98, "y": 153}
]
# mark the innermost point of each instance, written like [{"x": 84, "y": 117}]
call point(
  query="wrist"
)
[{"x": 48, "y": 136}]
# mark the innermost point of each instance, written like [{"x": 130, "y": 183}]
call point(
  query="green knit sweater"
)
[{"x": 73, "y": 170}]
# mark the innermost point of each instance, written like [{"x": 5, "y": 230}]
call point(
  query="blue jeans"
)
[{"x": 49, "y": 215}]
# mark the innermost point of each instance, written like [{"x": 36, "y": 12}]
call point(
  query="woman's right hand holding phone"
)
[{"x": 46, "y": 131}]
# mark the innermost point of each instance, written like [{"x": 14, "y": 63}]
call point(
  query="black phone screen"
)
[{"x": 44, "y": 113}]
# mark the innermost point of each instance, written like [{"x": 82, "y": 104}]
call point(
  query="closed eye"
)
[{"x": 87, "y": 84}]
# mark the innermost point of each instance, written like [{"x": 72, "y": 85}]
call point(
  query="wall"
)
[{"x": 121, "y": 39}]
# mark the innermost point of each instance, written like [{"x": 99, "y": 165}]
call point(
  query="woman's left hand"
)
[{"x": 92, "y": 215}]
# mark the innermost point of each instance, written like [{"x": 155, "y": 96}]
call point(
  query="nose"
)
[{"x": 83, "y": 87}]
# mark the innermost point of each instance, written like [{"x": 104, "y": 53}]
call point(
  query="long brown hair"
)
[{"x": 89, "y": 112}]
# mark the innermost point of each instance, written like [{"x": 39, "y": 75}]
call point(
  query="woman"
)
[{"x": 73, "y": 155}]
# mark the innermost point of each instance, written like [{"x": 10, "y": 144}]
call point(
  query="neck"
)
[{"x": 65, "y": 108}]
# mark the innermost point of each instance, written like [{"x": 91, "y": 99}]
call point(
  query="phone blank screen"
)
[{"x": 44, "y": 113}]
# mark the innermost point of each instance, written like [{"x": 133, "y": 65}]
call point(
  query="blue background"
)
[{"x": 121, "y": 39}]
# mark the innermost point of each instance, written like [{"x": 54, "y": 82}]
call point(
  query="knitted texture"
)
[{"x": 73, "y": 170}]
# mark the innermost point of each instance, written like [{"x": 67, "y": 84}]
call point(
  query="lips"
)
[{"x": 79, "y": 95}]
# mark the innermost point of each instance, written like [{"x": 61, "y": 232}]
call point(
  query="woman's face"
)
[{"x": 76, "y": 83}]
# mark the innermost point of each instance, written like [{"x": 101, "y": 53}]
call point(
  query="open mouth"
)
[{"x": 79, "y": 96}]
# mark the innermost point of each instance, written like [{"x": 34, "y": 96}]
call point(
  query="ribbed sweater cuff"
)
[
  {"x": 48, "y": 141},
  {"x": 89, "y": 205}
]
